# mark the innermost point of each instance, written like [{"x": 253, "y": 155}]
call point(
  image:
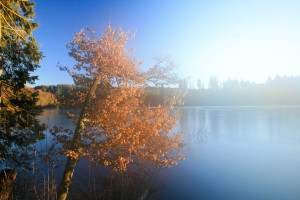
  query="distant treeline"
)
[
  {"x": 278, "y": 91},
  {"x": 154, "y": 96}
]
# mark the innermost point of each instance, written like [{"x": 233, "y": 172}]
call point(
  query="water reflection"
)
[
  {"x": 250, "y": 153},
  {"x": 238, "y": 123},
  {"x": 145, "y": 143},
  {"x": 244, "y": 153},
  {"x": 141, "y": 181}
]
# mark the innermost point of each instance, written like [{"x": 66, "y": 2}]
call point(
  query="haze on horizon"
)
[{"x": 249, "y": 40}]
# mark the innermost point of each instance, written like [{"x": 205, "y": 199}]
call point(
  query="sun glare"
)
[{"x": 249, "y": 55}]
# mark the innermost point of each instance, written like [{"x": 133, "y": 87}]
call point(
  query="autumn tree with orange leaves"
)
[{"x": 115, "y": 127}]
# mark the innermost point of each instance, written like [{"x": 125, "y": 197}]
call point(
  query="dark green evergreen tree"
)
[{"x": 19, "y": 56}]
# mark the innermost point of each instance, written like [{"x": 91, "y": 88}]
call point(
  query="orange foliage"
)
[
  {"x": 118, "y": 127},
  {"x": 121, "y": 128}
]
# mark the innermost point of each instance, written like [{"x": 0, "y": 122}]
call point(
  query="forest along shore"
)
[{"x": 280, "y": 91}]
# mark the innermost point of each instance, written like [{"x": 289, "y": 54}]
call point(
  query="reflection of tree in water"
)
[
  {"x": 140, "y": 181},
  {"x": 193, "y": 128},
  {"x": 194, "y": 137}
]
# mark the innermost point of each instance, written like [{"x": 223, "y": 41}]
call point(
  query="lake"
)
[{"x": 231, "y": 153}]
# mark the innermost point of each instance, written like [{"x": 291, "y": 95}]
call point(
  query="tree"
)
[
  {"x": 183, "y": 84},
  {"x": 117, "y": 127},
  {"x": 19, "y": 51},
  {"x": 19, "y": 56},
  {"x": 213, "y": 83},
  {"x": 162, "y": 73},
  {"x": 231, "y": 85},
  {"x": 200, "y": 84}
]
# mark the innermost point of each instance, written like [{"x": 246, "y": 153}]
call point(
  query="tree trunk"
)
[
  {"x": 75, "y": 146},
  {"x": 7, "y": 179}
]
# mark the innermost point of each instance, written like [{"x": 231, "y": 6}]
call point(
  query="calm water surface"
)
[{"x": 231, "y": 153}]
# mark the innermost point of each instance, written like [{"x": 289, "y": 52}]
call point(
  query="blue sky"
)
[{"x": 246, "y": 40}]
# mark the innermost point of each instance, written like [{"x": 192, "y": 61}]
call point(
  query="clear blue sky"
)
[{"x": 247, "y": 40}]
